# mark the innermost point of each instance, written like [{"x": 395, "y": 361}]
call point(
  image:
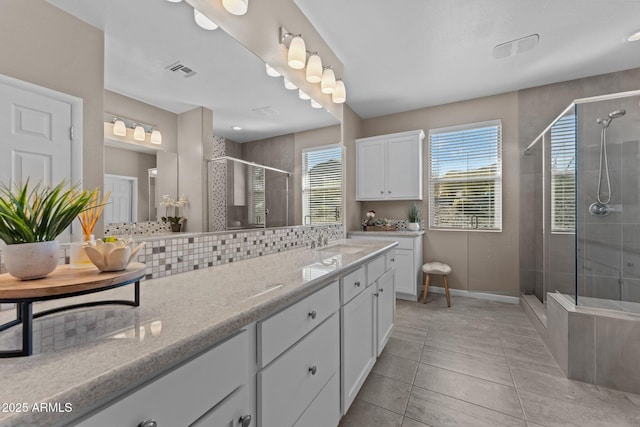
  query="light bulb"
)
[
  {"x": 272, "y": 71},
  {"x": 303, "y": 95},
  {"x": 119, "y": 128},
  {"x": 297, "y": 57},
  {"x": 314, "y": 69},
  {"x": 156, "y": 137},
  {"x": 315, "y": 104},
  {"x": 339, "y": 95},
  {"x": 328, "y": 83},
  {"x": 203, "y": 21},
  {"x": 138, "y": 133},
  {"x": 236, "y": 7},
  {"x": 289, "y": 85}
]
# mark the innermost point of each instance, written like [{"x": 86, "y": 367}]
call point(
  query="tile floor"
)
[{"x": 478, "y": 363}]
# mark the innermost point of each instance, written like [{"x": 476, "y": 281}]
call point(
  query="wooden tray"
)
[{"x": 379, "y": 228}]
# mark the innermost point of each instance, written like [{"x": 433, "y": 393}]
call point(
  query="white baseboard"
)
[{"x": 477, "y": 295}]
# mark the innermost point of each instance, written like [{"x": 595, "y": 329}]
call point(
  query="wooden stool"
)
[{"x": 436, "y": 268}]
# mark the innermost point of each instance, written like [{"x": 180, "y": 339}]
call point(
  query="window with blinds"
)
[
  {"x": 322, "y": 185},
  {"x": 257, "y": 202},
  {"x": 563, "y": 175},
  {"x": 465, "y": 177}
]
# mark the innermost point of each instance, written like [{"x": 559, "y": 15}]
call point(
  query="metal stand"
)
[{"x": 25, "y": 313}]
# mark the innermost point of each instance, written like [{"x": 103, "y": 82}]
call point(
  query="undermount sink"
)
[{"x": 343, "y": 248}]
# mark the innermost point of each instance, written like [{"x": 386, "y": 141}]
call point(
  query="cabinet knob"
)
[
  {"x": 381, "y": 290},
  {"x": 148, "y": 423},
  {"x": 313, "y": 369},
  {"x": 389, "y": 191},
  {"x": 381, "y": 192},
  {"x": 313, "y": 314},
  {"x": 393, "y": 260},
  {"x": 245, "y": 420},
  {"x": 357, "y": 284},
  {"x": 376, "y": 294}
]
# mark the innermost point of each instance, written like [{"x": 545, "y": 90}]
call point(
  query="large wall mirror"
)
[{"x": 156, "y": 54}]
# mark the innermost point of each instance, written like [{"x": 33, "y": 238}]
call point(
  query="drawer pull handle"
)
[
  {"x": 313, "y": 314},
  {"x": 245, "y": 420},
  {"x": 148, "y": 423},
  {"x": 357, "y": 284},
  {"x": 313, "y": 369}
]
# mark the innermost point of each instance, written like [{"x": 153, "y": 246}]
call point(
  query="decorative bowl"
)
[{"x": 111, "y": 256}]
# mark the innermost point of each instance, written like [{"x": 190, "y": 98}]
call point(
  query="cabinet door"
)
[
  {"x": 358, "y": 344},
  {"x": 370, "y": 163},
  {"x": 386, "y": 300},
  {"x": 404, "y": 168},
  {"x": 405, "y": 272},
  {"x": 231, "y": 412}
]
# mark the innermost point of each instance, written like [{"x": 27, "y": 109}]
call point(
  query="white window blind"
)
[
  {"x": 322, "y": 185},
  {"x": 563, "y": 175},
  {"x": 465, "y": 177},
  {"x": 257, "y": 195}
]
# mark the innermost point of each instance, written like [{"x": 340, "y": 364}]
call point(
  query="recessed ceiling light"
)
[
  {"x": 236, "y": 128},
  {"x": 634, "y": 37}
]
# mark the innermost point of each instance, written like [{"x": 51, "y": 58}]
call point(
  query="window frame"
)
[
  {"x": 553, "y": 199},
  {"x": 497, "y": 178}
]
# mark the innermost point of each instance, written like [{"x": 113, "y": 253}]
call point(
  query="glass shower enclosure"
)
[
  {"x": 587, "y": 203},
  {"x": 245, "y": 195}
]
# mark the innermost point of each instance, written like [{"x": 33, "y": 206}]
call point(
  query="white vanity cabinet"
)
[
  {"x": 389, "y": 167},
  {"x": 299, "y": 353},
  {"x": 367, "y": 321},
  {"x": 187, "y": 393},
  {"x": 407, "y": 258}
]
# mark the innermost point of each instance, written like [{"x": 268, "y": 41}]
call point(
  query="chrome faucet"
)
[{"x": 323, "y": 236}]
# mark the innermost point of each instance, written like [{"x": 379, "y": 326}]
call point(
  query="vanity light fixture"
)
[
  {"x": 138, "y": 132},
  {"x": 203, "y": 21},
  {"x": 315, "y": 104},
  {"x": 314, "y": 68},
  {"x": 236, "y": 7},
  {"x": 156, "y": 137},
  {"x": 328, "y": 82},
  {"x": 303, "y": 95},
  {"x": 271, "y": 71},
  {"x": 289, "y": 85},
  {"x": 119, "y": 128},
  {"x": 339, "y": 94},
  {"x": 634, "y": 37},
  {"x": 297, "y": 56}
]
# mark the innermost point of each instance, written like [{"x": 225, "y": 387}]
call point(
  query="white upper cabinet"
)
[{"x": 389, "y": 167}]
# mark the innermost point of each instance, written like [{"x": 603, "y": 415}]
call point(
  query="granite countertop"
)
[
  {"x": 386, "y": 233},
  {"x": 87, "y": 357}
]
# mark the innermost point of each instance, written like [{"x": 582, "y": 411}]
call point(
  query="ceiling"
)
[
  {"x": 143, "y": 37},
  {"x": 403, "y": 55}
]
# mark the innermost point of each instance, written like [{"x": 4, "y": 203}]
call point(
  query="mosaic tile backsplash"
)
[{"x": 165, "y": 255}]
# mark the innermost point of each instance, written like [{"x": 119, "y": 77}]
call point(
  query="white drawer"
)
[
  {"x": 279, "y": 332},
  {"x": 390, "y": 259},
  {"x": 230, "y": 412},
  {"x": 375, "y": 269},
  {"x": 324, "y": 411},
  {"x": 289, "y": 385},
  {"x": 352, "y": 284},
  {"x": 184, "y": 394}
]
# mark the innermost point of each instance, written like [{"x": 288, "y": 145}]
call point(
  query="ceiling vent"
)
[
  {"x": 266, "y": 111},
  {"x": 178, "y": 67},
  {"x": 515, "y": 47}
]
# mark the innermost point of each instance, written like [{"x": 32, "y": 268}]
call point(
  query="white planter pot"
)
[
  {"x": 413, "y": 226},
  {"x": 28, "y": 261}
]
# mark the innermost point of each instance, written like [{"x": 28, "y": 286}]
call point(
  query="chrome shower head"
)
[
  {"x": 612, "y": 115},
  {"x": 617, "y": 114}
]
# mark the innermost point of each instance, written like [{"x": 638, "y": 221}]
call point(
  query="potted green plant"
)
[
  {"x": 413, "y": 216},
  {"x": 31, "y": 220}
]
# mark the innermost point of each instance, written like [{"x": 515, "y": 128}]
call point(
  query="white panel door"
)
[
  {"x": 122, "y": 206},
  {"x": 35, "y": 137}
]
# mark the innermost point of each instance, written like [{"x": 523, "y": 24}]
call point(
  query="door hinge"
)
[{"x": 71, "y": 133}]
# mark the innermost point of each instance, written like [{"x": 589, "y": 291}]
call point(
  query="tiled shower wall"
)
[{"x": 179, "y": 252}]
